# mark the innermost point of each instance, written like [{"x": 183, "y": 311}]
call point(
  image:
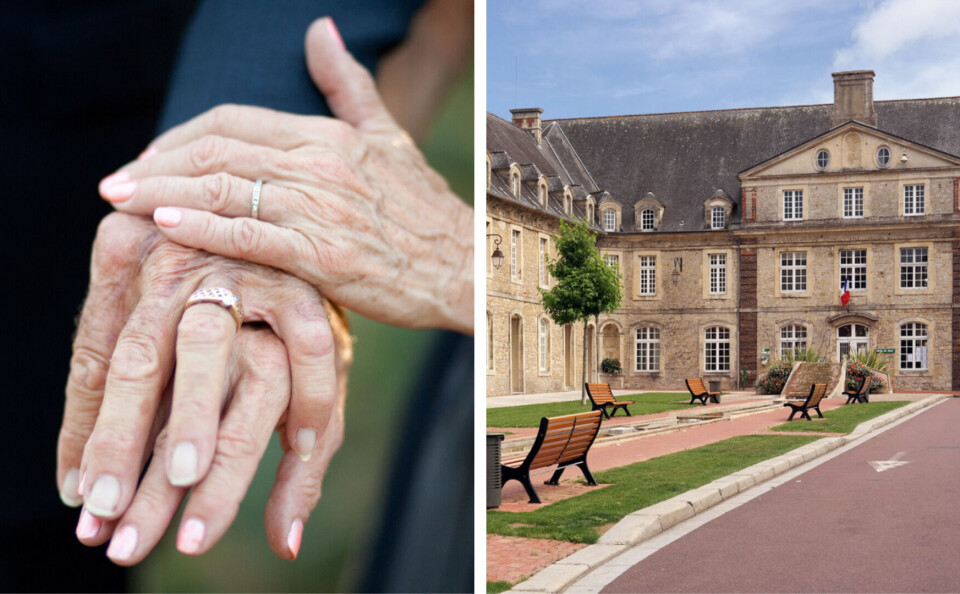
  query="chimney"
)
[
  {"x": 853, "y": 98},
  {"x": 529, "y": 119}
]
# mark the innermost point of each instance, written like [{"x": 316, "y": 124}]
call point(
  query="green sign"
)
[{"x": 887, "y": 351}]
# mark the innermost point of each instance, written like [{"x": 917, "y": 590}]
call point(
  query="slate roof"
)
[{"x": 684, "y": 158}]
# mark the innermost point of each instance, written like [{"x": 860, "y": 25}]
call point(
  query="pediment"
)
[{"x": 850, "y": 148}]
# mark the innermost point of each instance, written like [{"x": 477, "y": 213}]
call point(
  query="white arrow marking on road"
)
[{"x": 893, "y": 462}]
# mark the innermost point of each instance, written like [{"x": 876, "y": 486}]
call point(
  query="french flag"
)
[{"x": 845, "y": 292}]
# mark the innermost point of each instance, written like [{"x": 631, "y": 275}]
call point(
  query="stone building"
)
[{"x": 735, "y": 231}]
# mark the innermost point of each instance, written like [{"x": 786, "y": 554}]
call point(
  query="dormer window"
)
[
  {"x": 542, "y": 194},
  {"x": 609, "y": 220},
  {"x": 718, "y": 217},
  {"x": 589, "y": 214},
  {"x": 823, "y": 159},
  {"x": 515, "y": 183},
  {"x": 646, "y": 220}
]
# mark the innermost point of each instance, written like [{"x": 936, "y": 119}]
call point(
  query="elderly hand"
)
[
  {"x": 349, "y": 205},
  {"x": 124, "y": 359}
]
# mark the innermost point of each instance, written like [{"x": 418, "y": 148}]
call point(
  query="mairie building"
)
[{"x": 737, "y": 233}]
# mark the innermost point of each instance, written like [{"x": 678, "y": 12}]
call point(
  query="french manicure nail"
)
[
  {"x": 294, "y": 537},
  {"x": 119, "y": 192},
  {"x": 335, "y": 33},
  {"x": 167, "y": 217},
  {"x": 88, "y": 526},
  {"x": 183, "y": 465},
  {"x": 112, "y": 180},
  {"x": 123, "y": 543},
  {"x": 69, "y": 492},
  {"x": 191, "y": 536},
  {"x": 104, "y": 496},
  {"x": 306, "y": 439}
]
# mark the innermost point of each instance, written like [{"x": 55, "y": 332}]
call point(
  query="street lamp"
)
[{"x": 497, "y": 255}]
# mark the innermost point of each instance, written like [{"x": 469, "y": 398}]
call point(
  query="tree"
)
[{"x": 585, "y": 287}]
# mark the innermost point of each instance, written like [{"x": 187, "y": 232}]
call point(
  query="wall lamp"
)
[{"x": 497, "y": 255}]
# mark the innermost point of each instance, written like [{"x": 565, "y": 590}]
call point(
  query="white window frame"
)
[
  {"x": 853, "y": 203},
  {"x": 612, "y": 260},
  {"x": 544, "y": 275},
  {"x": 647, "y": 275},
  {"x": 543, "y": 194},
  {"x": 516, "y": 263},
  {"x": 914, "y": 336},
  {"x": 646, "y": 219},
  {"x": 853, "y": 263},
  {"x": 515, "y": 184},
  {"x": 914, "y": 268},
  {"x": 489, "y": 341},
  {"x": 718, "y": 217},
  {"x": 646, "y": 350},
  {"x": 862, "y": 342},
  {"x": 793, "y": 272},
  {"x": 792, "y": 338},
  {"x": 544, "y": 344},
  {"x": 914, "y": 200},
  {"x": 609, "y": 219},
  {"x": 718, "y": 274},
  {"x": 793, "y": 205},
  {"x": 716, "y": 349}
]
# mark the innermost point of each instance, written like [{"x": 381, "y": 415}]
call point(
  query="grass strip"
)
[
  {"x": 497, "y": 587},
  {"x": 640, "y": 485},
  {"x": 528, "y": 415},
  {"x": 840, "y": 420}
]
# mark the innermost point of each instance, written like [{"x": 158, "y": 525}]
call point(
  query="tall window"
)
[
  {"x": 718, "y": 217},
  {"x": 590, "y": 214},
  {"x": 515, "y": 183},
  {"x": 852, "y": 203},
  {"x": 913, "y": 346},
  {"x": 544, "y": 345},
  {"x": 793, "y": 272},
  {"x": 716, "y": 353},
  {"x": 544, "y": 275},
  {"x": 793, "y": 205},
  {"x": 913, "y": 200},
  {"x": 648, "y": 349},
  {"x": 646, "y": 220},
  {"x": 648, "y": 275},
  {"x": 793, "y": 339},
  {"x": 611, "y": 261},
  {"x": 853, "y": 265},
  {"x": 489, "y": 341},
  {"x": 542, "y": 190},
  {"x": 913, "y": 268},
  {"x": 515, "y": 254},
  {"x": 609, "y": 220},
  {"x": 718, "y": 274}
]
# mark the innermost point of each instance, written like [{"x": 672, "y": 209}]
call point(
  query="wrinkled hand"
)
[
  {"x": 124, "y": 361},
  {"x": 349, "y": 205}
]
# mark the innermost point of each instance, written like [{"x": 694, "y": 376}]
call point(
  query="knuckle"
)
[
  {"x": 136, "y": 358},
  {"x": 205, "y": 327},
  {"x": 235, "y": 444},
  {"x": 218, "y": 118},
  {"x": 205, "y": 154},
  {"x": 313, "y": 340},
  {"x": 247, "y": 237},
  {"x": 216, "y": 192},
  {"x": 88, "y": 371},
  {"x": 112, "y": 439}
]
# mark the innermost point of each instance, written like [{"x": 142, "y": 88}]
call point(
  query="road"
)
[{"x": 881, "y": 517}]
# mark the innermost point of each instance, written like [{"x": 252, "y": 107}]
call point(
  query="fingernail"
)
[
  {"x": 123, "y": 543},
  {"x": 88, "y": 526},
  {"x": 191, "y": 536},
  {"x": 69, "y": 492},
  {"x": 104, "y": 496},
  {"x": 83, "y": 479},
  {"x": 183, "y": 465},
  {"x": 294, "y": 537},
  {"x": 167, "y": 217},
  {"x": 119, "y": 192},
  {"x": 335, "y": 33},
  {"x": 112, "y": 180},
  {"x": 306, "y": 439},
  {"x": 147, "y": 154}
]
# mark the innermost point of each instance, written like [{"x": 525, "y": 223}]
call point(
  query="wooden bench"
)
[
  {"x": 602, "y": 398},
  {"x": 861, "y": 393},
  {"x": 564, "y": 441},
  {"x": 699, "y": 392},
  {"x": 812, "y": 402}
]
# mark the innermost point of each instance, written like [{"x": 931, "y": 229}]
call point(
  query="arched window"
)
[
  {"x": 852, "y": 338},
  {"x": 793, "y": 340},
  {"x": 647, "y": 349},
  {"x": 913, "y": 346},
  {"x": 609, "y": 220},
  {"x": 646, "y": 220},
  {"x": 544, "y": 345},
  {"x": 716, "y": 349},
  {"x": 542, "y": 194},
  {"x": 515, "y": 183},
  {"x": 589, "y": 214},
  {"x": 489, "y": 341},
  {"x": 718, "y": 220}
]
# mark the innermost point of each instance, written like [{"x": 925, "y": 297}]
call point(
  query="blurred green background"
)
[{"x": 337, "y": 538}]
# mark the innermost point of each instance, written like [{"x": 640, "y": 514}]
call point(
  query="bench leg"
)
[
  {"x": 627, "y": 410},
  {"x": 586, "y": 473},
  {"x": 817, "y": 408},
  {"x": 793, "y": 411},
  {"x": 508, "y": 473},
  {"x": 555, "y": 479},
  {"x": 528, "y": 487},
  {"x": 805, "y": 415}
]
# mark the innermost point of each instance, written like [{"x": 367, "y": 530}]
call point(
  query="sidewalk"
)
[{"x": 512, "y": 559}]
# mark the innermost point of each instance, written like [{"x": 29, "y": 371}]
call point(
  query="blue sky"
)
[{"x": 609, "y": 57}]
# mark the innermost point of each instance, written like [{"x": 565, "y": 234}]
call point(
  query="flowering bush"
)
[
  {"x": 856, "y": 371},
  {"x": 611, "y": 366},
  {"x": 776, "y": 377},
  {"x": 877, "y": 384}
]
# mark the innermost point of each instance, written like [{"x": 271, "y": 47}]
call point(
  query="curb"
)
[{"x": 646, "y": 523}]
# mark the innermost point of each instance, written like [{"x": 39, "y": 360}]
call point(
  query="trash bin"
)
[
  {"x": 493, "y": 469},
  {"x": 715, "y": 385}
]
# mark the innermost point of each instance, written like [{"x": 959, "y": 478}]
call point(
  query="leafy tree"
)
[{"x": 585, "y": 287}]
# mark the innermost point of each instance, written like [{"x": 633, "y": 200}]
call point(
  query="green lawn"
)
[
  {"x": 497, "y": 587},
  {"x": 529, "y": 415},
  {"x": 640, "y": 485},
  {"x": 840, "y": 420}
]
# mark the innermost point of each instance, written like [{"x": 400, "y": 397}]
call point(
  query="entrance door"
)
[
  {"x": 852, "y": 338},
  {"x": 569, "y": 366},
  {"x": 516, "y": 354}
]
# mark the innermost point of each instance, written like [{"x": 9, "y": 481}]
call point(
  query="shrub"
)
[
  {"x": 871, "y": 359},
  {"x": 856, "y": 371},
  {"x": 776, "y": 378},
  {"x": 611, "y": 366}
]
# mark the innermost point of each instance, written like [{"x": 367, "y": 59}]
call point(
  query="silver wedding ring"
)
[
  {"x": 222, "y": 297},
  {"x": 255, "y": 202}
]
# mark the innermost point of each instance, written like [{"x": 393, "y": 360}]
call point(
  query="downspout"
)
[{"x": 739, "y": 281}]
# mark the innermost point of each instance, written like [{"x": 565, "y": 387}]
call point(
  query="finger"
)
[
  {"x": 204, "y": 341},
  {"x": 260, "y": 398},
  {"x": 347, "y": 86},
  {"x": 304, "y": 329},
  {"x": 241, "y": 238},
  {"x": 92, "y": 531},
  {"x": 139, "y": 369}
]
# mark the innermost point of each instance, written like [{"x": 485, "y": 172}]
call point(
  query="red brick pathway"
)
[{"x": 512, "y": 559}]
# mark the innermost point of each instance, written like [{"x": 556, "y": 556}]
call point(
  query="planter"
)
[{"x": 615, "y": 380}]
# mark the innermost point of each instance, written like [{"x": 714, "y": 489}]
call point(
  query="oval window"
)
[
  {"x": 883, "y": 156},
  {"x": 823, "y": 159}
]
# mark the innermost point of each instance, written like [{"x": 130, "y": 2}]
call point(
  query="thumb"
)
[{"x": 348, "y": 87}]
